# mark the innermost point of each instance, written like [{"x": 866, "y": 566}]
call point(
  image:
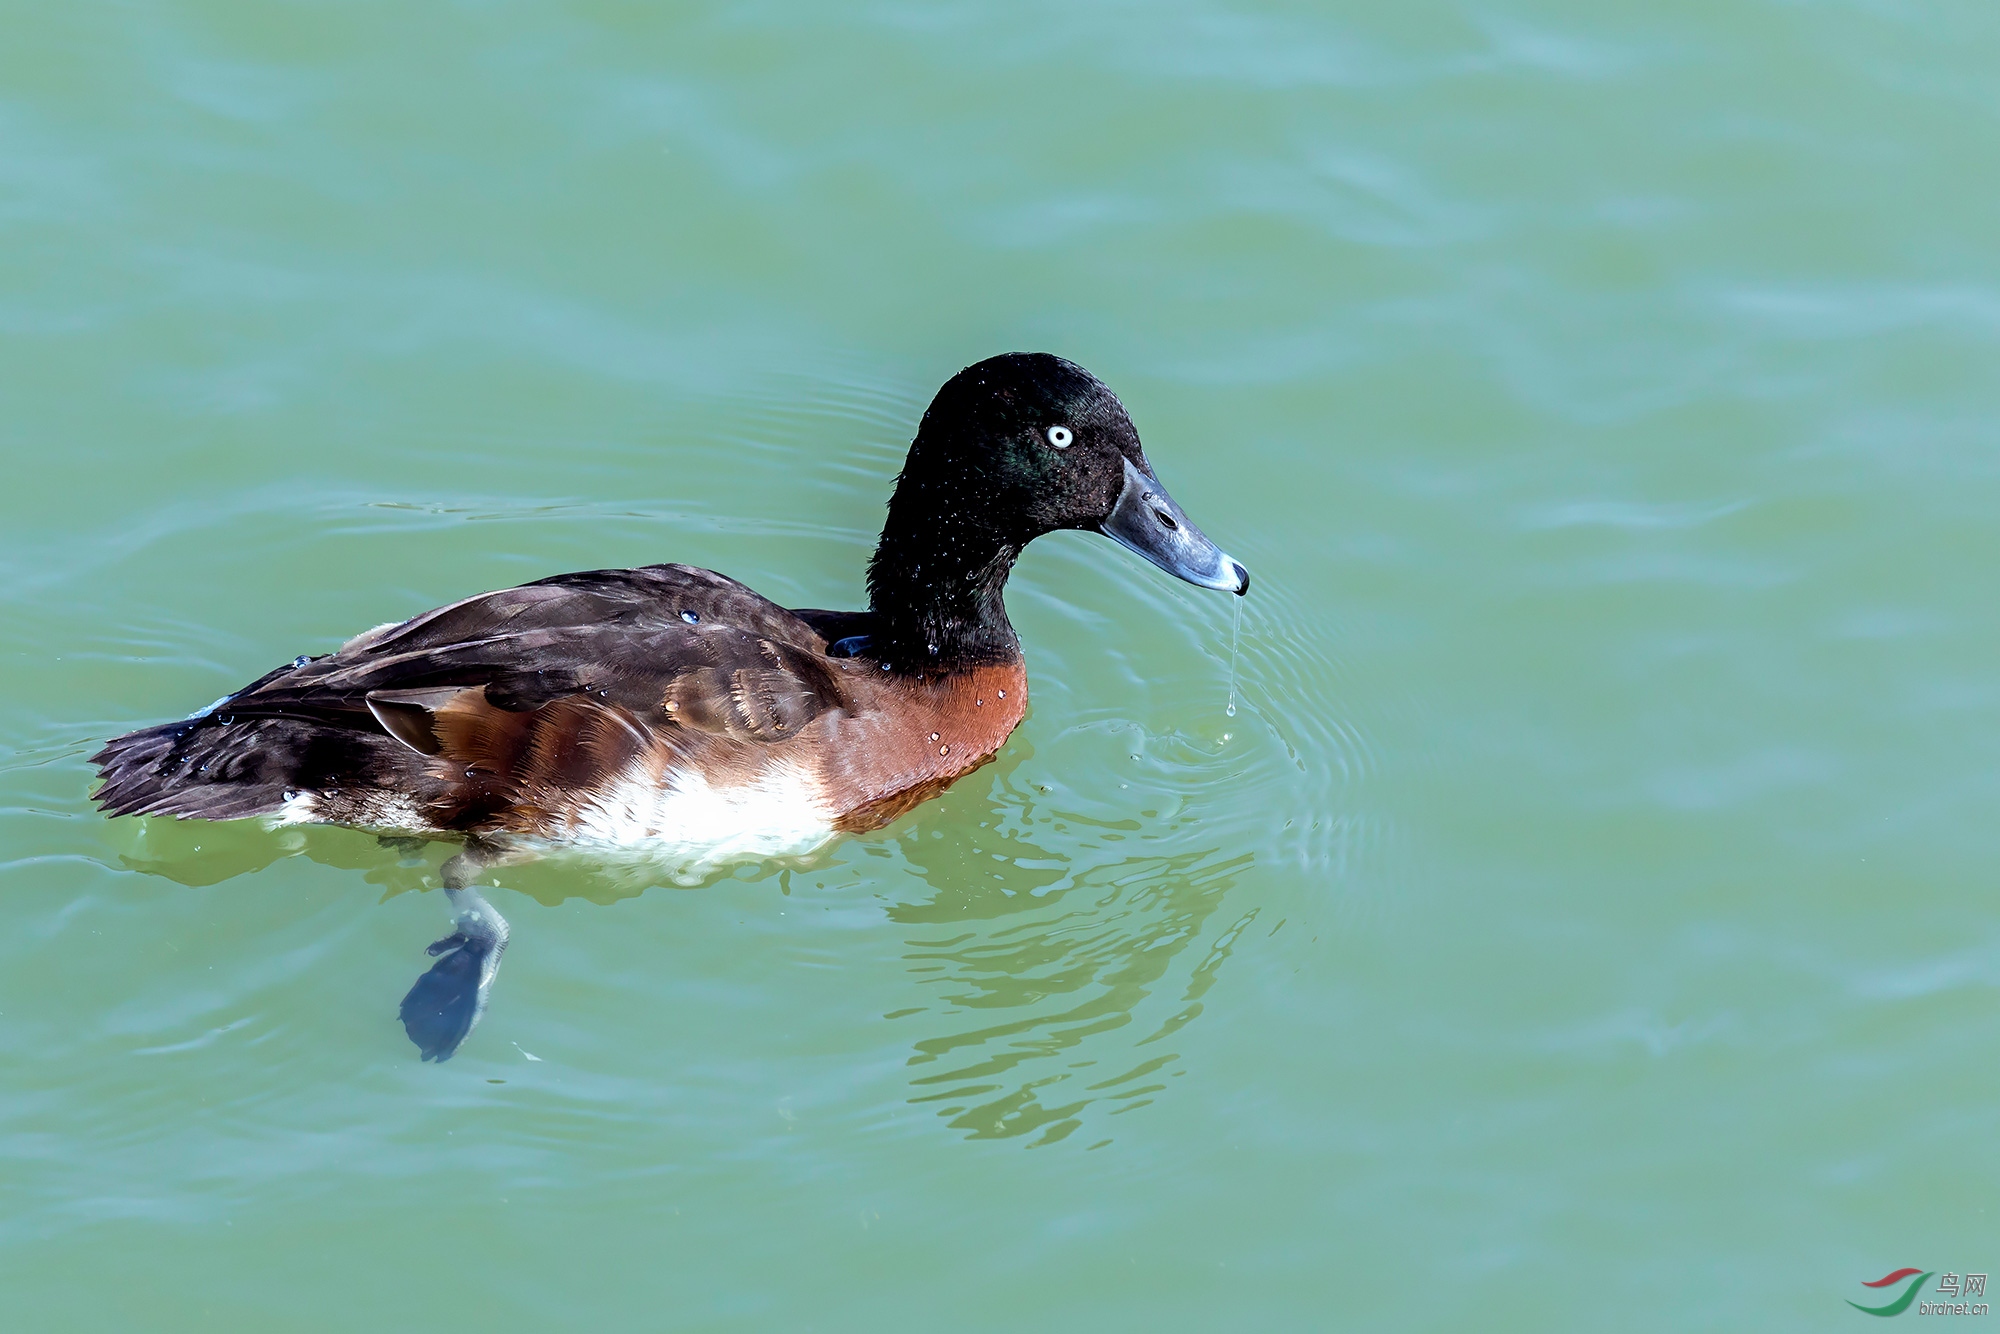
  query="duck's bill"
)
[{"x": 1148, "y": 520}]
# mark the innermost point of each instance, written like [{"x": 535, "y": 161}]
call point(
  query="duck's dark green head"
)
[
  {"x": 1028, "y": 443},
  {"x": 1011, "y": 448}
]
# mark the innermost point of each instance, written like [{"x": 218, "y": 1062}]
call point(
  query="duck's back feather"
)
[{"x": 484, "y": 713}]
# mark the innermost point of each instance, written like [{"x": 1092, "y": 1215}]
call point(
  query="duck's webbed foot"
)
[{"x": 445, "y": 1004}]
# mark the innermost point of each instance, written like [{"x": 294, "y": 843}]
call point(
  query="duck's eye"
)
[{"x": 1060, "y": 437}]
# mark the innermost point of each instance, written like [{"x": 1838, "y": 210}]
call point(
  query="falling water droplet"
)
[{"x": 1235, "y": 631}]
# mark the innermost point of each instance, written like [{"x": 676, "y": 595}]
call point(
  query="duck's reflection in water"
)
[
  {"x": 1049, "y": 982},
  {"x": 1066, "y": 977},
  {"x": 449, "y": 996}
]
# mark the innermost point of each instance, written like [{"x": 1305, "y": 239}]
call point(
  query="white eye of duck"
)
[{"x": 1060, "y": 437}]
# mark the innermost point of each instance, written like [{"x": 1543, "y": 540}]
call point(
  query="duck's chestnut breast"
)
[{"x": 911, "y": 737}]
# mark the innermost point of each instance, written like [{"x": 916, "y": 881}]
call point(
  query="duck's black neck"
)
[{"x": 935, "y": 586}]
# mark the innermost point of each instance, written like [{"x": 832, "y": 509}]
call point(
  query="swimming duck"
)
[{"x": 672, "y": 705}]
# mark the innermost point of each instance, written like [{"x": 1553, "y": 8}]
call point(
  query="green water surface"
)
[{"x": 1582, "y": 923}]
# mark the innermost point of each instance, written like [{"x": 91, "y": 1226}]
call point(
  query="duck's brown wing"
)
[
  {"x": 728, "y": 659},
  {"x": 499, "y": 700}
]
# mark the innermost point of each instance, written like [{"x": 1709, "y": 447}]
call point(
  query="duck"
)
[{"x": 671, "y": 707}]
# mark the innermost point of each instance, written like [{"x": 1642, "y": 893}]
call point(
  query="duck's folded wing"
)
[
  {"x": 670, "y": 642},
  {"x": 564, "y": 676}
]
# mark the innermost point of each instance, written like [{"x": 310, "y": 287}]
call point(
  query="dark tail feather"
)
[{"x": 202, "y": 767}]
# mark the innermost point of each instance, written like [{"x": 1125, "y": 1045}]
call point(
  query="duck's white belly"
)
[
  {"x": 682, "y": 826},
  {"x": 782, "y": 811}
]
